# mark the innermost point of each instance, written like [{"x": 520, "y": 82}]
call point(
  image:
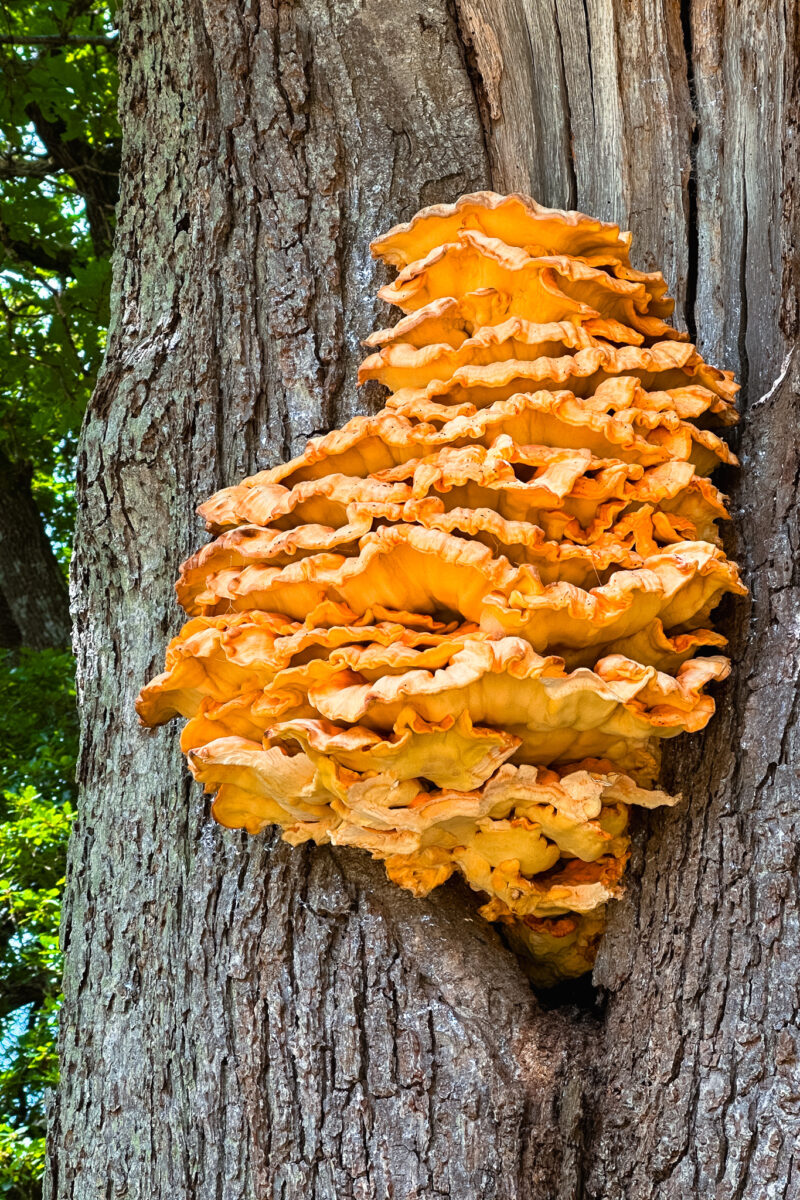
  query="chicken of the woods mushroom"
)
[{"x": 455, "y": 633}]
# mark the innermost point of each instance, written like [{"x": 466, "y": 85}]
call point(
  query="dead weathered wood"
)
[{"x": 243, "y": 1020}]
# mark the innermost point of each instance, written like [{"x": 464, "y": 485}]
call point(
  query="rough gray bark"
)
[
  {"x": 243, "y": 1020},
  {"x": 34, "y": 606}
]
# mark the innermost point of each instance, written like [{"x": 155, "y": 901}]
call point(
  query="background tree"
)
[
  {"x": 59, "y": 166},
  {"x": 246, "y": 1020},
  {"x": 59, "y": 158}
]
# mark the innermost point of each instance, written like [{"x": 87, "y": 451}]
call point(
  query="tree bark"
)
[
  {"x": 34, "y": 608},
  {"x": 10, "y": 636},
  {"x": 245, "y": 1020}
]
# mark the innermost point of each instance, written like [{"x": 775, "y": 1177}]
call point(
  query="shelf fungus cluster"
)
[{"x": 455, "y": 633}]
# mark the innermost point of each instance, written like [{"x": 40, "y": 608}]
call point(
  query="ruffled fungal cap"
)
[
  {"x": 454, "y": 634},
  {"x": 515, "y": 220}
]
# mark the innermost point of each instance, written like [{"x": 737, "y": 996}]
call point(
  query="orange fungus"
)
[{"x": 455, "y": 633}]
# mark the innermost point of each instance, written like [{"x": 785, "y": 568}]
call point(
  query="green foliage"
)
[
  {"x": 38, "y": 733},
  {"x": 21, "y": 1164},
  {"x": 59, "y": 162},
  {"x": 38, "y": 748}
]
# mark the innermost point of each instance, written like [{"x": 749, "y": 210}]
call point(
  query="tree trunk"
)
[
  {"x": 34, "y": 605},
  {"x": 10, "y": 636},
  {"x": 244, "y": 1020}
]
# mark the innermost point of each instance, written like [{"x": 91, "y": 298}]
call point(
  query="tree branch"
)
[
  {"x": 60, "y": 261},
  {"x": 57, "y": 39},
  {"x": 19, "y": 990},
  {"x": 27, "y": 168},
  {"x": 94, "y": 170}
]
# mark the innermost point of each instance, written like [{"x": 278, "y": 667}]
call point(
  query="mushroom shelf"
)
[{"x": 454, "y": 634}]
